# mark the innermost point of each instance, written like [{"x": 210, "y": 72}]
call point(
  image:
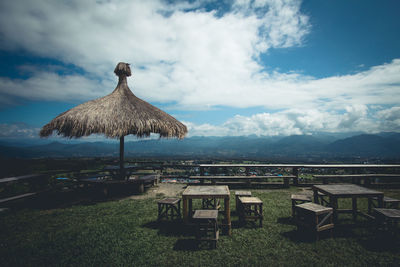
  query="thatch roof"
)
[{"x": 115, "y": 115}]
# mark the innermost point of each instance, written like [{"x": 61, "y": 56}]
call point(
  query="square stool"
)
[
  {"x": 251, "y": 208},
  {"x": 314, "y": 217},
  {"x": 169, "y": 208},
  {"x": 206, "y": 226},
  {"x": 388, "y": 203},
  {"x": 299, "y": 199},
  {"x": 387, "y": 217},
  {"x": 240, "y": 194}
]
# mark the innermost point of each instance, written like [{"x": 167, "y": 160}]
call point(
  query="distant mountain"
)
[
  {"x": 317, "y": 147},
  {"x": 367, "y": 145}
]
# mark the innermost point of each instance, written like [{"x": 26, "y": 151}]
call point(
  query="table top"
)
[
  {"x": 207, "y": 191},
  {"x": 250, "y": 200},
  {"x": 346, "y": 190}
]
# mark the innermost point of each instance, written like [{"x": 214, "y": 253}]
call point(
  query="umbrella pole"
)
[{"x": 121, "y": 157}]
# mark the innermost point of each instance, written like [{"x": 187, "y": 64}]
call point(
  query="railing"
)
[
  {"x": 356, "y": 172},
  {"x": 367, "y": 174}
]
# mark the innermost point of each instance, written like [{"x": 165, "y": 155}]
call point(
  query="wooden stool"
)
[
  {"x": 314, "y": 217},
  {"x": 210, "y": 203},
  {"x": 251, "y": 208},
  {"x": 299, "y": 199},
  {"x": 169, "y": 208},
  {"x": 388, "y": 203},
  {"x": 240, "y": 194},
  {"x": 206, "y": 226},
  {"x": 388, "y": 217}
]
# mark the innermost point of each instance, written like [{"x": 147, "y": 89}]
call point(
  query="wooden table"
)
[
  {"x": 336, "y": 191},
  {"x": 201, "y": 192}
]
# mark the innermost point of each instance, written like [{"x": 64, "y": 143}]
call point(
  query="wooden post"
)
[
  {"x": 247, "y": 171},
  {"x": 121, "y": 157},
  {"x": 286, "y": 182},
  {"x": 295, "y": 172}
]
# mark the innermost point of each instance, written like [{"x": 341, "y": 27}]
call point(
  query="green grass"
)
[{"x": 125, "y": 233}]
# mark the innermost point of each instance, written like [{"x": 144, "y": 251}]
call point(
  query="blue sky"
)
[{"x": 264, "y": 67}]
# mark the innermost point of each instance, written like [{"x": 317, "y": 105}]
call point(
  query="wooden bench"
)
[
  {"x": 251, "y": 208},
  {"x": 355, "y": 178},
  {"x": 207, "y": 226},
  {"x": 387, "y": 217},
  {"x": 169, "y": 208},
  {"x": 247, "y": 179},
  {"x": 388, "y": 203},
  {"x": 105, "y": 182},
  {"x": 299, "y": 199},
  {"x": 240, "y": 194},
  {"x": 36, "y": 181},
  {"x": 314, "y": 217}
]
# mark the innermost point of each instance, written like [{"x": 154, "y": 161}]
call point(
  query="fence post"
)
[
  {"x": 201, "y": 174},
  {"x": 295, "y": 172}
]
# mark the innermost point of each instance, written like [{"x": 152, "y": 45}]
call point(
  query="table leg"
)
[
  {"x": 315, "y": 196},
  {"x": 380, "y": 201},
  {"x": 354, "y": 207},
  {"x": 333, "y": 202},
  {"x": 190, "y": 208},
  {"x": 185, "y": 209},
  {"x": 228, "y": 215}
]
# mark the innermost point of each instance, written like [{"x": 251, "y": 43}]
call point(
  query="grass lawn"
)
[{"x": 125, "y": 233}]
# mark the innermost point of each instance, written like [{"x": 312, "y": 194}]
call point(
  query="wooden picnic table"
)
[
  {"x": 205, "y": 192},
  {"x": 336, "y": 191}
]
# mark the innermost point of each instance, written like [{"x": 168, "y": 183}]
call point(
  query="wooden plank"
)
[
  {"x": 19, "y": 178},
  {"x": 305, "y": 165},
  {"x": 4, "y": 200},
  {"x": 211, "y": 177},
  {"x": 357, "y": 176}
]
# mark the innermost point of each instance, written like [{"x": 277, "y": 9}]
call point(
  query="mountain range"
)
[{"x": 317, "y": 147}]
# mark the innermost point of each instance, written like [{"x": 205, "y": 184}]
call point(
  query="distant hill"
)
[{"x": 317, "y": 147}]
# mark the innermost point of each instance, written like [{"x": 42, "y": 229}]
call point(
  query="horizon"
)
[{"x": 230, "y": 68}]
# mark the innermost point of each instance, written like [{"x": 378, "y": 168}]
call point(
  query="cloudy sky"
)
[{"x": 264, "y": 67}]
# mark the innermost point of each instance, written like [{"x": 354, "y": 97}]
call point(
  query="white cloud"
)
[
  {"x": 356, "y": 118},
  {"x": 194, "y": 59},
  {"x": 18, "y": 130}
]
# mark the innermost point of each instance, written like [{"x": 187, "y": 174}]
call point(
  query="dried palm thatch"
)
[{"x": 115, "y": 115}]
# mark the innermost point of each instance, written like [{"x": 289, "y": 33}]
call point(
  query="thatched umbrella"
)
[{"x": 116, "y": 115}]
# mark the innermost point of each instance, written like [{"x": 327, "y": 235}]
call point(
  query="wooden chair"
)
[
  {"x": 169, "y": 208},
  {"x": 240, "y": 194},
  {"x": 206, "y": 226},
  {"x": 314, "y": 217},
  {"x": 251, "y": 208},
  {"x": 299, "y": 199}
]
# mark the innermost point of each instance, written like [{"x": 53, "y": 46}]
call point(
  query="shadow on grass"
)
[
  {"x": 300, "y": 235},
  {"x": 286, "y": 221},
  {"x": 179, "y": 229},
  {"x": 65, "y": 199},
  {"x": 171, "y": 228},
  {"x": 186, "y": 245},
  {"x": 381, "y": 241}
]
